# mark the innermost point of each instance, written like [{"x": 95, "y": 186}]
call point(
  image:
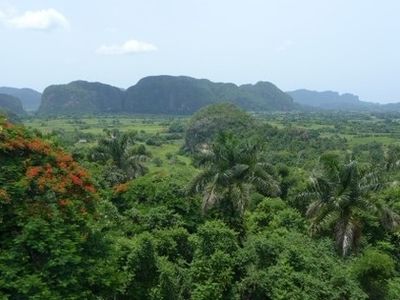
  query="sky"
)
[{"x": 341, "y": 45}]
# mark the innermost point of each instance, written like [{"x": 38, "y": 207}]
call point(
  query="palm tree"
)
[
  {"x": 392, "y": 157},
  {"x": 340, "y": 195},
  {"x": 231, "y": 169},
  {"x": 116, "y": 146}
]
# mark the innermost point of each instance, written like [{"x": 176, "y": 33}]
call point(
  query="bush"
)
[{"x": 373, "y": 269}]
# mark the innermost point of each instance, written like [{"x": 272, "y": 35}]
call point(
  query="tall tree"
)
[
  {"x": 116, "y": 146},
  {"x": 49, "y": 247},
  {"x": 231, "y": 169},
  {"x": 340, "y": 195}
]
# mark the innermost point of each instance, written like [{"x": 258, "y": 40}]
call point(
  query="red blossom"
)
[
  {"x": 62, "y": 165},
  {"x": 32, "y": 172},
  {"x": 58, "y": 171},
  {"x": 64, "y": 158},
  {"x": 14, "y": 144},
  {"x": 90, "y": 188},
  {"x": 39, "y": 146},
  {"x": 76, "y": 180},
  {"x": 82, "y": 173},
  {"x": 49, "y": 170}
]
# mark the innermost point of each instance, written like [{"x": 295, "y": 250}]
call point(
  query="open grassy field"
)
[
  {"x": 360, "y": 127},
  {"x": 357, "y": 129},
  {"x": 164, "y": 158},
  {"x": 96, "y": 125}
]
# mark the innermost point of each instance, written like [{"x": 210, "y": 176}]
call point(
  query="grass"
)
[
  {"x": 96, "y": 125},
  {"x": 357, "y": 130},
  {"x": 171, "y": 159},
  {"x": 354, "y": 140},
  {"x": 168, "y": 153}
]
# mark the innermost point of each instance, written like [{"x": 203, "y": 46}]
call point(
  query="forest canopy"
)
[{"x": 222, "y": 205}]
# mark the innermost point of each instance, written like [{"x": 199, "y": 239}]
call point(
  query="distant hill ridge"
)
[
  {"x": 180, "y": 95},
  {"x": 330, "y": 100},
  {"x": 161, "y": 95},
  {"x": 30, "y": 98},
  {"x": 81, "y": 97},
  {"x": 11, "y": 104}
]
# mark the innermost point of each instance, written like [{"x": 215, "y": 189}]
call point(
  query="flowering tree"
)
[{"x": 47, "y": 202}]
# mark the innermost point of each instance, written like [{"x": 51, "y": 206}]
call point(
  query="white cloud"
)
[
  {"x": 129, "y": 47},
  {"x": 44, "y": 20}
]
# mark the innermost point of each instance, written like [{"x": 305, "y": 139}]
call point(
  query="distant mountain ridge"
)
[
  {"x": 161, "y": 95},
  {"x": 30, "y": 98},
  {"x": 182, "y": 95},
  {"x": 11, "y": 104},
  {"x": 81, "y": 97},
  {"x": 330, "y": 100}
]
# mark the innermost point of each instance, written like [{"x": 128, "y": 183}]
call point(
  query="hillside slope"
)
[
  {"x": 185, "y": 95},
  {"x": 11, "y": 104},
  {"x": 30, "y": 98},
  {"x": 331, "y": 100},
  {"x": 161, "y": 95},
  {"x": 81, "y": 97}
]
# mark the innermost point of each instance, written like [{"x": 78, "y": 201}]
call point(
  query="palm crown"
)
[
  {"x": 116, "y": 146},
  {"x": 340, "y": 195},
  {"x": 232, "y": 168}
]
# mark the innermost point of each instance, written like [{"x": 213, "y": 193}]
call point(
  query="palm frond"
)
[
  {"x": 210, "y": 198},
  {"x": 200, "y": 181},
  {"x": 347, "y": 233},
  {"x": 390, "y": 220}
]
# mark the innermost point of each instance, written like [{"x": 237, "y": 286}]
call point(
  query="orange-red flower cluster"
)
[
  {"x": 46, "y": 168},
  {"x": 32, "y": 172},
  {"x": 75, "y": 179},
  {"x": 59, "y": 172},
  {"x": 14, "y": 144},
  {"x": 38, "y": 146},
  {"x": 90, "y": 188}
]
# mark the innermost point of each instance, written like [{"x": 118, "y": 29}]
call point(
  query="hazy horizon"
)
[{"x": 339, "y": 46}]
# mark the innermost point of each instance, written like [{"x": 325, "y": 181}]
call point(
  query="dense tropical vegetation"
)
[{"x": 221, "y": 205}]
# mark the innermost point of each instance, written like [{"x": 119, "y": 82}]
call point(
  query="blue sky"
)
[{"x": 347, "y": 46}]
